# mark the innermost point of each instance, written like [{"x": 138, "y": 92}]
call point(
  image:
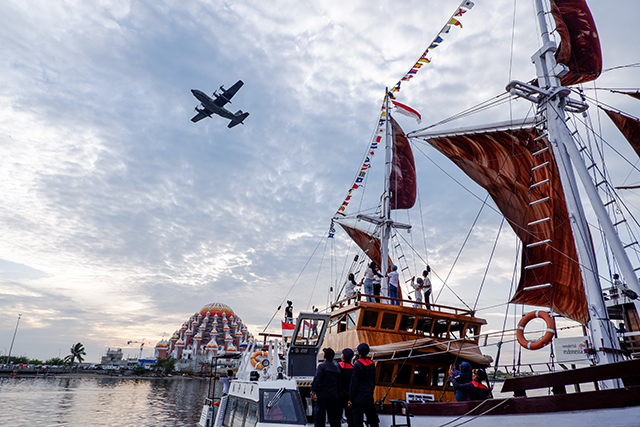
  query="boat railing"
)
[
  {"x": 628, "y": 371},
  {"x": 379, "y": 299}
]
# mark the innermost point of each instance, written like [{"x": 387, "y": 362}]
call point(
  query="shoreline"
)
[{"x": 96, "y": 375}]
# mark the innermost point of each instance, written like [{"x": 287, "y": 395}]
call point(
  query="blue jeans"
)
[
  {"x": 368, "y": 288},
  {"x": 393, "y": 293}
]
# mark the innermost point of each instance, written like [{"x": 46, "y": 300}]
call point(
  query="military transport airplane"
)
[{"x": 216, "y": 106}]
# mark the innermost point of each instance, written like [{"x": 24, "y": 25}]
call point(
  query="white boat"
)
[{"x": 273, "y": 382}]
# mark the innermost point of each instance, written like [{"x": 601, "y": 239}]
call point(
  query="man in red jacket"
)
[
  {"x": 363, "y": 383},
  {"x": 346, "y": 372},
  {"x": 475, "y": 389}
]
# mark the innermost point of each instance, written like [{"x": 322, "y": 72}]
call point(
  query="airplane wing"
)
[
  {"x": 228, "y": 94},
  {"x": 201, "y": 115}
]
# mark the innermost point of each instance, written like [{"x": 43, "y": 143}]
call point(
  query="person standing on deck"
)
[
  {"x": 346, "y": 371},
  {"x": 394, "y": 279},
  {"x": 417, "y": 285},
  {"x": 363, "y": 383},
  {"x": 427, "y": 287},
  {"x": 226, "y": 382},
  {"x": 288, "y": 312},
  {"x": 324, "y": 391},
  {"x": 350, "y": 289},
  {"x": 369, "y": 275}
]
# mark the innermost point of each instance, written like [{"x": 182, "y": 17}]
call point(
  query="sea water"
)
[{"x": 73, "y": 401}]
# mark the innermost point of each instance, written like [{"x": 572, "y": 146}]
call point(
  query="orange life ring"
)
[
  {"x": 255, "y": 362},
  {"x": 546, "y": 338}
]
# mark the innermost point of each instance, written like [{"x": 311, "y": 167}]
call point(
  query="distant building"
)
[
  {"x": 113, "y": 357},
  {"x": 213, "y": 331},
  {"x": 114, "y": 360}
]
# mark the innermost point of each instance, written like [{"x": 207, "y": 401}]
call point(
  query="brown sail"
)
[
  {"x": 629, "y": 126},
  {"x": 579, "y": 47},
  {"x": 370, "y": 245},
  {"x": 503, "y": 162},
  {"x": 403, "y": 171}
]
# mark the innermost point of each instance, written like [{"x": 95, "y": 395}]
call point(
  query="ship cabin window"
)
[
  {"x": 421, "y": 375},
  {"x": 441, "y": 328},
  {"x": 407, "y": 323},
  {"x": 472, "y": 333},
  {"x": 344, "y": 322},
  {"x": 240, "y": 413},
  {"x": 458, "y": 327},
  {"x": 404, "y": 374},
  {"x": 397, "y": 373},
  {"x": 437, "y": 380},
  {"x": 386, "y": 372},
  {"x": 423, "y": 327},
  {"x": 369, "y": 319},
  {"x": 352, "y": 319},
  {"x": 388, "y": 321},
  {"x": 338, "y": 325},
  {"x": 281, "y": 406}
]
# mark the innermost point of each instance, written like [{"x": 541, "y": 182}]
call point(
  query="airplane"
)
[{"x": 216, "y": 106}]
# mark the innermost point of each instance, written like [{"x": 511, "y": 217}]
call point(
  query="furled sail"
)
[
  {"x": 635, "y": 94},
  {"x": 370, "y": 245},
  {"x": 579, "y": 47},
  {"x": 629, "y": 126},
  {"x": 503, "y": 162},
  {"x": 403, "y": 171}
]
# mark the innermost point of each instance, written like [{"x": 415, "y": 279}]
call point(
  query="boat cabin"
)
[{"x": 412, "y": 346}]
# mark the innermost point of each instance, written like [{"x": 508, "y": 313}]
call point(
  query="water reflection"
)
[{"x": 101, "y": 401}]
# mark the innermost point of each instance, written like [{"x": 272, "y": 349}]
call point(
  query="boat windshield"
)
[
  {"x": 281, "y": 406},
  {"x": 308, "y": 332}
]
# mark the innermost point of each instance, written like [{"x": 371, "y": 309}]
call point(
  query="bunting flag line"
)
[
  {"x": 366, "y": 164},
  {"x": 464, "y": 7}
]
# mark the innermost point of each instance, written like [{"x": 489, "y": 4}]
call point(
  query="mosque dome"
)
[{"x": 216, "y": 308}]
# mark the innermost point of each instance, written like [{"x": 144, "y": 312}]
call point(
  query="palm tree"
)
[{"x": 77, "y": 351}]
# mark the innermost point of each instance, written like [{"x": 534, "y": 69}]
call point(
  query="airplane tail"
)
[{"x": 239, "y": 117}]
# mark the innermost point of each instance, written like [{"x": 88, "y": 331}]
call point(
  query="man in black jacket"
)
[
  {"x": 363, "y": 383},
  {"x": 324, "y": 391}
]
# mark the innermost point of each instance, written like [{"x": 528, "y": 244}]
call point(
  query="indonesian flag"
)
[
  {"x": 407, "y": 111},
  {"x": 287, "y": 329}
]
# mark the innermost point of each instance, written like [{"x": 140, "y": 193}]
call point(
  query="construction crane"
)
[{"x": 141, "y": 346}]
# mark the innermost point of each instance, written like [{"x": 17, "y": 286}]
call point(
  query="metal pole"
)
[
  {"x": 385, "y": 229},
  {"x": 14, "y": 338},
  {"x": 562, "y": 144}
]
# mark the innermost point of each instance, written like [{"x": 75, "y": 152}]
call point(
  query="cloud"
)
[{"x": 120, "y": 217}]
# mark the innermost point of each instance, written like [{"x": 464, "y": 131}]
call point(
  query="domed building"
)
[{"x": 212, "y": 331}]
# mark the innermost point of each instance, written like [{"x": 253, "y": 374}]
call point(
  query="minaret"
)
[
  {"x": 179, "y": 348},
  {"x": 172, "y": 341}
]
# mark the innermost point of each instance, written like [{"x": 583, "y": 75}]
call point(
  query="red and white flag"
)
[
  {"x": 287, "y": 329},
  {"x": 407, "y": 111}
]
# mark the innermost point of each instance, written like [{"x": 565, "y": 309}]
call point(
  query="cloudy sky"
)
[{"x": 120, "y": 217}]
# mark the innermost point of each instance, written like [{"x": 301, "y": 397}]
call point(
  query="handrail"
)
[
  {"x": 360, "y": 297},
  {"x": 628, "y": 371}
]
